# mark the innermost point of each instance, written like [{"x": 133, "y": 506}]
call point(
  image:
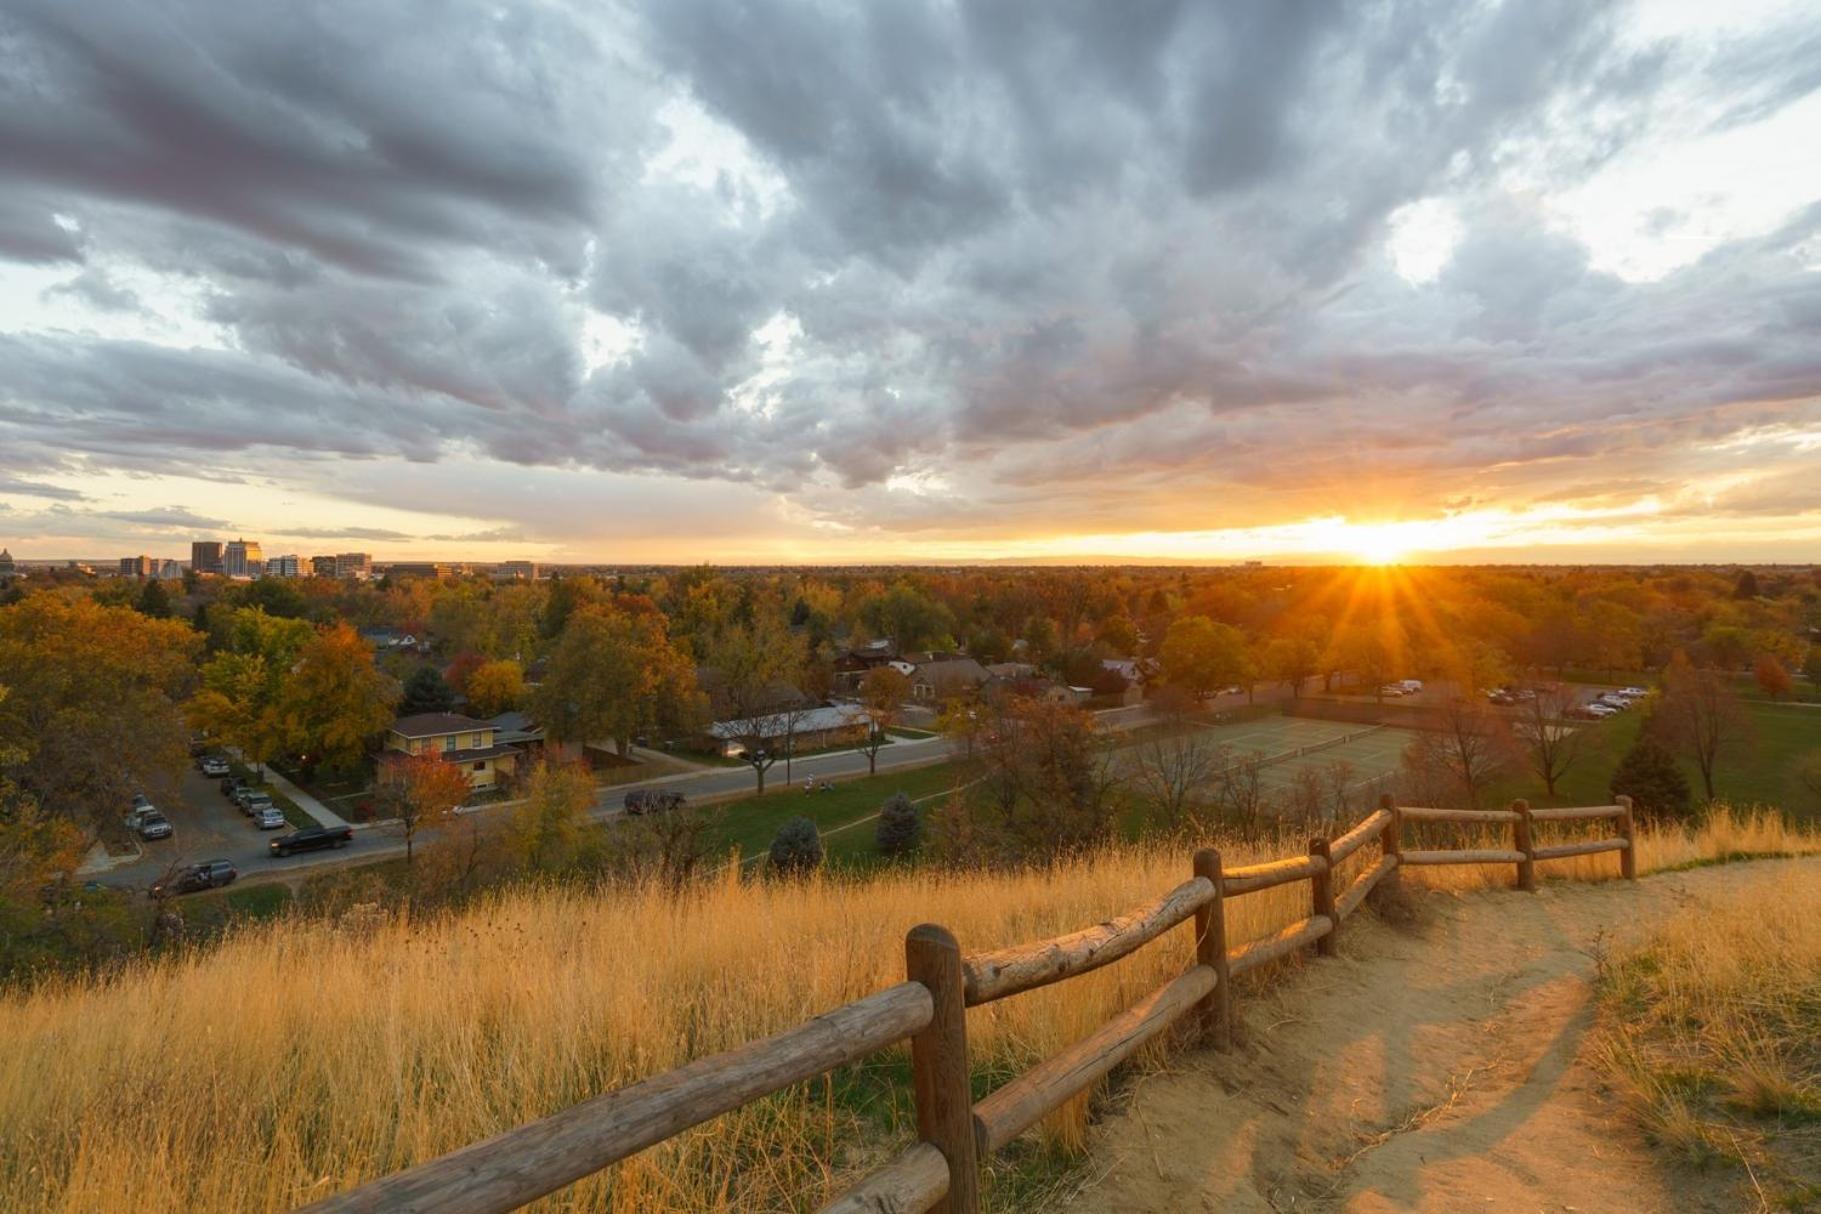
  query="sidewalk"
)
[{"x": 304, "y": 801}]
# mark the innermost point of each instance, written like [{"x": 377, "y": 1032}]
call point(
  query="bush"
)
[
  {"x": 1649, "y": 776},
  {"x": 900, "y": 829},
  {"x": 797, "y": 848}
]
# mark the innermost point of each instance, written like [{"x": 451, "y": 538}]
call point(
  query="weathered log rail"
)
[{"x": 941, "y": 1171}]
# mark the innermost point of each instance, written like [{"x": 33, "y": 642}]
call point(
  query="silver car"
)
[{"x": 269, "y": 818}]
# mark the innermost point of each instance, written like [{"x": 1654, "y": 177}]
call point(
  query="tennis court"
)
[{"x": 1288, "y": 745}]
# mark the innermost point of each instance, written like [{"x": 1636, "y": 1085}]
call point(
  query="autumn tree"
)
[
  {"x": 1371, "y": 650},
  {"x": 495, "y": 687},
  {"x": 1700, "y": 715},
  {"x": 92, "y": 705},
  {"x": 882, "y": 695},
  {"x": 1773, "y": 677},
  {"x": 242, "y": 702},
  {"x": 1468, "y": 746},
  {"x": 612, "y": 676},
  {"x": 1203, "y": 656},
  {"x": 334, "y": 700},
  {"x": 1292, "y": 661},
  {"x": 754, "y": 690},
  {"x": 1171, "y": 770},
  {"x": 548, "y": 830},
  {"x": 419, "y": 791}
]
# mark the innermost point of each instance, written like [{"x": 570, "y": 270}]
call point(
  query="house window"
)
[
  {"x": 481, "y": 765},
  {"x": 449, "y": 742}
]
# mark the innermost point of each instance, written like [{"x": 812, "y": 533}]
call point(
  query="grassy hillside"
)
[{"x": 299, "y": 1056}]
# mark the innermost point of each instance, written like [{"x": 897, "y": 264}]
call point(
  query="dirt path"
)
[{"x": 1435, "y": 1067}]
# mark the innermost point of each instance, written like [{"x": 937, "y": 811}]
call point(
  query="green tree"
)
[
  {"x": 154, "y": 600},
  {"x": 1202, "y": 655},
  {"x": 495, "y": 687},
  {"x": 796, "y": 850},
  {"x": 1648, "y": 774},
  {"x": 426, "y": 691},
  {"x": 756, "y": 666},
  {"x": 242, "y": 701},
  {"x": 612, "y": 676},
  {"x": 1292, "y": 661},
  {"x": 900, "y": 829},
  {"x": 549, "y": 828}
]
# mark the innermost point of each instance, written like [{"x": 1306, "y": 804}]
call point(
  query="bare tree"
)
[
  {"x": 1239, "y": 792},
  {"x": 1172, "y": 769},
  {"x": 1700, "y": 715},
  {"x": 1474, "y": 745},
  {"x": 882, "y": 695},
  {"x": 1551, "y": 741}
]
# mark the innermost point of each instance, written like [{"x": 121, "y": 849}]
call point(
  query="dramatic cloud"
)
[{"x": 950, "y": 274}]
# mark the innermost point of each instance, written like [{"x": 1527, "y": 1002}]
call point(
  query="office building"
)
[
  {"x": 289, "y": 565},
  {"x": 243, "y": 558},
  {"x": 136, "y": 566},
  {"x": 205, "y": 556}
]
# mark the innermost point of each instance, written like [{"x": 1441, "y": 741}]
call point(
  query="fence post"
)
[
  {"x": 1322, "y": 885},
  {"x": 1211, "y": 950},
  {"x": 1391, "y": 839},
  {"x": 1628, "y": 827},
  {"x": 945, "y": 1104},
  {"x": 1521, "y": 836}
]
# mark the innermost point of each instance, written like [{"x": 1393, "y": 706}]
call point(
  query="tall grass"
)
[
  {"x": 1711, "y": 1029},
  {"x": 298, "y": 1057}
]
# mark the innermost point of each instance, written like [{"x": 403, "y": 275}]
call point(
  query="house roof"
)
[
  {"x": 436, "y": 724},
  {"x": 495, "y": 751},
  {"x": 834, "y": 716},
  {"x": 951, "y": 670}
]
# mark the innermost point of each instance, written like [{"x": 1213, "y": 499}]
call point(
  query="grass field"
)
[
  {"x": 301, "y": 1056},
  {"x": 748, "y": 825}
]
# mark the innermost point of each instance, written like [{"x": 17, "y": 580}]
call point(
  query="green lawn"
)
[
  {"x": 1760, "y": 771},
  {"x": 749, "y": 824}
]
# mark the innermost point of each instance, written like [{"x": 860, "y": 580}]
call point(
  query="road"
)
[{"x": 209, "y": 827}]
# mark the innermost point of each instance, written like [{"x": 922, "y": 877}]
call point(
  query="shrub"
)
[
  {"x": 797, "y": 848},
  {"x": 1649, "y": 776},
  {"x": 900, "y": 829}
]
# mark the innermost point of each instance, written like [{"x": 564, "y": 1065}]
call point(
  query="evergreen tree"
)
[
  {"x": 900, "y": 829},
  {"x": 797, "y": 848},
  {"x": 154, "y": 600},
  {"x": 426, "y": 691},
  {"x": 1649, "y": 776}
]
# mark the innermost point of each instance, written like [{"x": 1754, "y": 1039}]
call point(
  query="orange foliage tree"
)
[{"x": 419, "y": 791}]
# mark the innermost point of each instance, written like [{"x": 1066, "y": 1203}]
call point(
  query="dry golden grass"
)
[
  {"x": 296, "y": 1058},
  {"x": 1712, "y": 1031}
]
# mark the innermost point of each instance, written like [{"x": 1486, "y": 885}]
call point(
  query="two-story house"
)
[{"x": 457, "y": 739}]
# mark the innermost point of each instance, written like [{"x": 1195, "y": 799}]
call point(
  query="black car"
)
[
  {"x": 312, "y": 838},
  {"x": 229, "y": 784},
  {"x": 210, "y": 874}
]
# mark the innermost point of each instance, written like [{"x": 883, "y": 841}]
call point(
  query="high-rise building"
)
[
  {"x": 136, "y": 566},
  {"x": 323, "y": 566},
  {"x": 168, "y": 570},
  {"x": 354, "y": 565},
  {"x": 7, "y": 567},
  {"x": 205, "y": 556},
  {"x": 284, "y": 566},
  {"x": 243, "y": 558},
  {"x": 524, "y": 571}
]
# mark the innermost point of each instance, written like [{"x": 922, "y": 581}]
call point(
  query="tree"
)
[
  {"x": 548, "y": 828},
  {"x": 1773, "y": 677},
  {"x": 900, "y": 829},
  {"x": 1046, "y": 776},
  {"x": 241, "y": 702},
  {"x": 1371, "y": 651},
  {"x": 92, "y": 705},
  {"x": 756, "y": 665},
  {"x": 882, "y": 695},
  {"x": 1649, "y": 776},
  {"x": 335, "y": 699},
  {"x": 796, "y": 850},
  {"x": 1552, "y": 743},
  {"x": 1170, "y": 770},
  {"x": 1700, "y": 715},
  {"x": 1292, "y": 661},
  {"x": 419, "y": 791},
  {"x": 495, "y": 687},
  {"x": 154, "y": 600},
  {"x": 614, "y": 675},
  {"x": 426, "y": 691},
  {"x": 1471, "y": 745},
  {"x": 34, "y": 846},
  {"x": 1203, "y": 656},
  {"x": 1747, "y": 585}
]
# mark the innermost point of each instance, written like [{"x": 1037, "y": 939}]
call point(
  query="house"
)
[
  {"x": 854, "y": 665},
  {"x": 804, "y": 729},
  {"x": 1123, "y": 677},
  {"x": 517, "y": 729},
  {"x": 945, "y": 678},
  {"x": 474, "y": 744}
]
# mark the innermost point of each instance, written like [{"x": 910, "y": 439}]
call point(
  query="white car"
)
[
  {"x": 1597, "y": 709},
  {"x": 1410, "y": 686},
  {"x": 1634, "y": 693},
  {"x": 1613, "y": 700},
  {"x": 1393, "y": 690}
]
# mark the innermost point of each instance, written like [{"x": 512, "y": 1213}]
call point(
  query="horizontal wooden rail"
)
[
  {"x": 1562, "y": 851},
  {"x": 1359, "y": 836},
  {"x": 1281, "y": 944},
  {"x": 913, "y": 1182},
  {"x": 1484, "y": 855},
  {"x": 1008, "y": 971},
  {"x": 1485, "y": 816},
  {"x": 1356, "y": 893},
  {"x": 523, "y": 1164},
  {"x": 1026, "y": 1100},
  {"x": 1576, "y": 813},
  {"x": 1248, "y": 878}
]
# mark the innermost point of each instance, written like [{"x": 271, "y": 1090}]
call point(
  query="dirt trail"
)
[{"x": 1435, "y": 1067}]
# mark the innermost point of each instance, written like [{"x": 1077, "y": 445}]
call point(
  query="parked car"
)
[
  {"x": 269, "y": 818},
  {"x": 214, "y": 766},
  {"x": 1614, "y": 700},
  {"x": 229, "y": 784},
  {"x": 312, "y": 838},
  {"x": 256, "y": 804},
  {"x": 1635, "y": 693},
  {"x": 1392, "y": 690},
  {"x": 651, "y": 801},
  {"x": 247, "y": 794},
  {"x": 1410, "y": 686},
  {"x": 148, "y": 823},
  {"x": 210, "y": 874},
  {"x": 141, "y": 801}
]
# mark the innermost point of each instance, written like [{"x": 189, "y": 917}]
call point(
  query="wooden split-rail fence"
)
[{"x": 941, "y": 1171}]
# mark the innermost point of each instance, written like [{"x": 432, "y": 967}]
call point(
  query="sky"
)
[{"x": 659, "y": 281}]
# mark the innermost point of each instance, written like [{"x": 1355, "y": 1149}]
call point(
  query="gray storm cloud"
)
[{"x": 1029, "y": 246}]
